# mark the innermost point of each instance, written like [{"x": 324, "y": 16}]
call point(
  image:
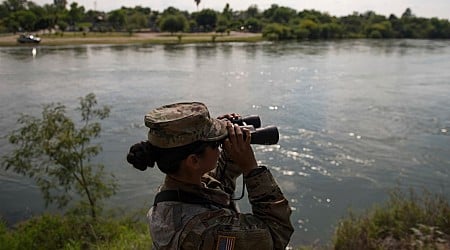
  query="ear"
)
[{"x": 192, "y": 161}]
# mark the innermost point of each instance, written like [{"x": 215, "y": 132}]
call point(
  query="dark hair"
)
[{"x": 143, "y": 155}]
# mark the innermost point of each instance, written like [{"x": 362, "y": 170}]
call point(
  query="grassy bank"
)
[
  {"x": 72, "y": 232},
  {"x": 404, "y": 222},
  {"x": 75, "y": 38}
]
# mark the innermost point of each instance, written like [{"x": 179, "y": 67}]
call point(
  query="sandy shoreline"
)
[{"x": 70, "y": 38}]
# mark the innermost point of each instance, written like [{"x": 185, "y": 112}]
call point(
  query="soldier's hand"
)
[
  {"x": 239, "y": 149},
  {"x": 229, "y": 117}
]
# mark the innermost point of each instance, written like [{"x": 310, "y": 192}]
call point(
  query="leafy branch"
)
[{"x": 57, "y": 153}]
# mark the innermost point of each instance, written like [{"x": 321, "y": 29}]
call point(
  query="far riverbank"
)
[{"x": 74, "y": 38}]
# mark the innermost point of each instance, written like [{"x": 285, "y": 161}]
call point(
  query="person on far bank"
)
[{"x": 193, "y": 208}]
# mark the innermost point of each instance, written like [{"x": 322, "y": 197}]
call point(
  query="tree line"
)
[{"x": 275, "y": 23}]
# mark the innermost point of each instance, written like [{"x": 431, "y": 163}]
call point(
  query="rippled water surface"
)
[{"x": 356, "y": 118}]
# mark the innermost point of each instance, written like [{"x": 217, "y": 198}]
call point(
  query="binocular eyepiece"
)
[{"x": 264, "y": 136}]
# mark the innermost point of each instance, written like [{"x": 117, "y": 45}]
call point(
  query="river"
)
[{"x": 357, "y": 118}]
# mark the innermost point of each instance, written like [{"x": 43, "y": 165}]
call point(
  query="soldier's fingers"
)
[
  {"x": 248, "y": 136},
  {"x": 235, "y": 115},
  {"x": 239, "y": 135},
  {"x": 231, "y": 133},
  {"x": 229, "y": 116}
]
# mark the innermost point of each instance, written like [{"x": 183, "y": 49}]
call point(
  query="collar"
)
[{"x": 210, "y": 189}]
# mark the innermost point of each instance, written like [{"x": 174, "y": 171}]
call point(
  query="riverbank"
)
[
  {"x": 404, "y": 222},
  {"x": 75, "y": 38}
]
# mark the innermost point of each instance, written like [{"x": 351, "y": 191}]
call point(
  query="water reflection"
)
[
  {"x": 19, "y": 53},
  {"x": 145, "y": 48},
  {"x": 175, "y": 50},
  {"x": 206, "y": 51},
  {"x": 252, "y": 50},
  {"x": 120, "y": 47}
]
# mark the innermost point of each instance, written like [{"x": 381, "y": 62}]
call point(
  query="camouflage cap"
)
[{"x": 183, "y": 123}]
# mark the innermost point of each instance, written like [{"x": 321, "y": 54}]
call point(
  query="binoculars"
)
[{"x": 263, "y": 136}]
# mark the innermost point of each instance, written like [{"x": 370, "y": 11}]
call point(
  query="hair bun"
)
[{"x": 140, "y": 156}]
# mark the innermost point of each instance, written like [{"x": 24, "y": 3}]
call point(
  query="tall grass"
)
[
  {"x": 406, "y": 221},
  {"x": 75, "y": 232}
]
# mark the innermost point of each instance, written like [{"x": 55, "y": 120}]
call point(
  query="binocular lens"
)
[{"x": 265, "y": 136}]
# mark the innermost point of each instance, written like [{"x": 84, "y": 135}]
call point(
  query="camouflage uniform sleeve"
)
[
  {"x": 226, "y": 172},
  {"x": 269, "y": 204}
]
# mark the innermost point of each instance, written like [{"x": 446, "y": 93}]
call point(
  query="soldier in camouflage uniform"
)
[{"x": 193, "y": 208}]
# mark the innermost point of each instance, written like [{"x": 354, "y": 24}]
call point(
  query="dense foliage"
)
[{"x": 276, "y": 22}]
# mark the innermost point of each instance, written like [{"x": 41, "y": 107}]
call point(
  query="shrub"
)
[
  {"x": 313, "y": 28},
  {"x": 301, "y": 33},
  {"x": 375, "y": 34},
  {"x": 279, "y": 31}
]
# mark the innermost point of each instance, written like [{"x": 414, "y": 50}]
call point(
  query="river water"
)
[{"x": 356, "y": 118}]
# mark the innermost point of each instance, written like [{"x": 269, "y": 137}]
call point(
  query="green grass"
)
[
  {"x": 72, "y": 232},
  {"x": 404, "y": 222}
]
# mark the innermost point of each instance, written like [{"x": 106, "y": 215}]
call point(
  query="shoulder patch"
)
[{"x": 225, "y": 242}]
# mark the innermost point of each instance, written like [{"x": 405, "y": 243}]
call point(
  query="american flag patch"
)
[{"x": 225, "y": 243}]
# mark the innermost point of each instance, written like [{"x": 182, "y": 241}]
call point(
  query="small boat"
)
[{"x": 28, "y": 39}]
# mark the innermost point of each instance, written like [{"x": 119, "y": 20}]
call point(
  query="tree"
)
[
  {"x": 222, "y": 24},
  {"x": 352, "y": 24},
  {"x": 173, "y": 23},
  {"x": 14, "y": 5},
  {"x": 313, "y": 28},
  {"x": 137, "y": 20},
  {"x": 62, "y": 25},
  {"x": 60, "y": 4},
  {"x": 268, "y": 13},
  {"x": 11, "y": 24},
  {"x": 331, "y": 30},
  {"x": 25, "y": 18},
  {"x": 227, "y": 12},
  {"x": 283, "y": 15},
  {"x": 52, "y": 15},
  {"x": 253, "y": 25},
  {"x": 207, "y": 19},
  {"x": 276, "y": 31},
  {"x": 56, "y": 152},
  {"x": 197, "y": 2},
  {"x": 171, "y": 11},
  {"x": 76, "y": 13},
  {"x": 380, "y": 30},
  {"x": 407, "y": 14},
  {"x": 118, "y": 19},
  {"x": 252, "y": 11}
]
